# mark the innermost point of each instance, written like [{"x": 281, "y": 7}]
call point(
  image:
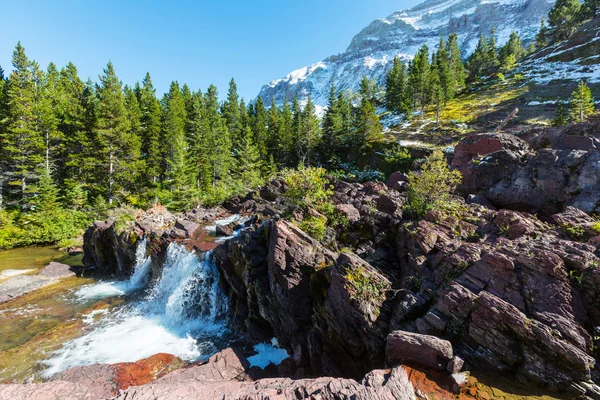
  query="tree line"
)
[
  {"x": 108, "y": 143},
  {"x": 434, "y": 80}
]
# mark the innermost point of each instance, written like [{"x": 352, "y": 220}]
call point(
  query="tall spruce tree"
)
[
  {"x": 231, "y": 113},
  {"x": 259, "y": 127},
  {"x": 150, "y": 130},
  {"x": 178, "y": 176},
  {"x": 330, "y": 143},
  {"x": 309, "y": 134},
  {"x": 541, "y": 38},
  {"x": 22, "y": 143},
  {"x": 458, "y": 71},
  {"x": 368, "y": 133},
  {"x": 119, "y": 149}
]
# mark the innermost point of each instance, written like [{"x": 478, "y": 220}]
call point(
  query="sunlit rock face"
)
[{"x": 402, "y": 34}]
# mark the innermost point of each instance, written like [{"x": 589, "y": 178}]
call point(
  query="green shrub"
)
[
  {"x": 432, "y": 187},
  {"x": 307, "y": 186},
  {"x": 314, "y": 226},
  {"x": 364, "y": 286},
  {"x": 573, "y": 231},
  {"x": 333, "y": 215},
  {"x": 596, "y": 227}
]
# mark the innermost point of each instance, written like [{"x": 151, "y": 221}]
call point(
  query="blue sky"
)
[{"x": 196, "y": 42}]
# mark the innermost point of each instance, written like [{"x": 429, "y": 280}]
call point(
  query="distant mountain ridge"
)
[{"x": 402, "y": 34}]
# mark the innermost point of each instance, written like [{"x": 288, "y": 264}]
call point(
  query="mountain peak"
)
[{"x": 402, "y": 34}]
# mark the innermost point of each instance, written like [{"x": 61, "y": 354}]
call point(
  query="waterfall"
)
[
  {"x": 139, "y": 278},
  {"x": 183, "y": 312}
]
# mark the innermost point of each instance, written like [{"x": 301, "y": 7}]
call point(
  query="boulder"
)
[
  {"x": 429, "y": 351},
  {"x": 57, "y": 271},
  {"x": 349, "y": 211},
  {"x": 398, "y": 181},
  {"x": 481, "y": 144}
]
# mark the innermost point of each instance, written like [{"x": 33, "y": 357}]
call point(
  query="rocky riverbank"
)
[{"x": 493, "y": 287}]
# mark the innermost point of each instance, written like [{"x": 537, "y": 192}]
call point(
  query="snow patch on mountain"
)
[{"x": 401, "y": 35}]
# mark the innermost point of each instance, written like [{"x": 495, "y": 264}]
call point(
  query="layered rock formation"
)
[{"x": 501, "y": 289}]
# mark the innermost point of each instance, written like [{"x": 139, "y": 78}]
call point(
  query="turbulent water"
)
[{"x": 183, "y": 312}]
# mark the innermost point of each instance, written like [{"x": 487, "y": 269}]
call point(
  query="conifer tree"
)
[
  {"x": 22, "y": 144},
  {"x": 581, "y": 103},
  {"x": 563, "y": 17},
  {"x": 560, "y": 118},
  {"x": 150, "y": 130},
  {"x": 309, "y": 131},
  {"x": 286, "y": 142},
  {"x": 541, "y": 38},
  {"x": 178, "y": 176},
  {"x": 395, "y": 86},
  {"x": 296, "y": 123},
  {"x": 273, "y": 129},
  {"x": 345, "y": 132},
  {"x": 47, "y": 98},
  {"x": 458, "y": 71},
  {"x": 418, "y": 75},
  {"x": 330, "y": 141},
  {"x": 367, "y": 89},
  {"x": 218, "y": 150},
  {"x": 71, "y": 125},
  {"x": 514, "y": 47},
  {"x": 368, "y": 132},
  {"x": 231, "y": 113},
  {"x": 443, "y": 75},
  {"x": 492, "y": 54},
  {"x": 248, "y": 166},
  {"x": 259, "y": 127},
  {"x": 119, "y": 149}
]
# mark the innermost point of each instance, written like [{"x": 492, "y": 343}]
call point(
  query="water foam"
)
[
  {"x": 183, "y": 313},
  {"x": 138, "y": 279}
]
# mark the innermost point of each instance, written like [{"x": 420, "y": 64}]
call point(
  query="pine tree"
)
[
  {"x": 22, "y": 144},
  {"x": 178, "y": 175},
  {"x": 478, "y": 63},
  {"x": 231, "y": 113},
  {"x": 71, "y": 125},
  {"x": 563, "y": 17},
  {"x": 218, "y": 150},
  {"x": 345, "y": 131},
  {"x": 273, "y": 130},
  {"x": 47, "y": 98},
  {"x": 296, "y": 124},
  {"x": 368, "y": 132},
  {"x": 395, "y": 86},
  {"x": 309, "y": 131},
  {"x": 418, "y": 75},
  {"x": 367, "y": 89},
  {"x": 541, "y": 38},
  {"x": 330, "y": 142},
  {"x": 492, "y": 54},
  {"x": 443, "y": 74},
  {"x": 560, "y": 118},
  {"x": 581, "y": 103},
  {"x": 248, "y": 166},
  {"x": 458, "y": 71},
  {"x": 119, "y": 149},
  {"x": 286, "y": 143},
  {"x": 511, "y": 52},
  {"x": 259, "y": 127},
  {"x": 150, "y": 130}
]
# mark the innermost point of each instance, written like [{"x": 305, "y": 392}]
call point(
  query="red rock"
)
[
  {"x": 351, "y": 213},
  {"x": 425, "y": 350}
]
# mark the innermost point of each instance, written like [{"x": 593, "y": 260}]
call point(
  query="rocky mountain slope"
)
[{"x": 402, "y": 34}]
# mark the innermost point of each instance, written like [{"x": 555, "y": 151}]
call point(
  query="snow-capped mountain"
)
[{"x": 402, "y": 34}]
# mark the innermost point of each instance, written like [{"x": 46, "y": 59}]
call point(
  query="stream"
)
[{"x": 81, "y": 321}]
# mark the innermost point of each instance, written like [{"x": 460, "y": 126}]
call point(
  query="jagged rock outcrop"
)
[
  {"x": 528, "y": 174},
  {"x": 510, "y": 292}
]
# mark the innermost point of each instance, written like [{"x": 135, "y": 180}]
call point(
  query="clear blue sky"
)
[{"x": 194, "y": 42}]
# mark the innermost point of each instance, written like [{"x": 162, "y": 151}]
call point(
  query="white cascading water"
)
[{"x": 182, "y": 313}]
